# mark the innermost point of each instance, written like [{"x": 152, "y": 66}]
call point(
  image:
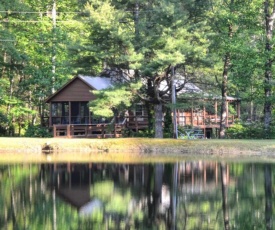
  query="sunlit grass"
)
[{"x": 130, "y": 149}]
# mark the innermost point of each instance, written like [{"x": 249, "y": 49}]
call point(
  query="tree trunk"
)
[
  {"x": 173, "y": 197},
  {"x": 224, "y": 97},
  {"x": 149, "y": 107},
  {"x": 224, "y": 183},
  {"x": 158, "y": 181},
  {"x": 158, "y": 121},
  {"x": 269, "y": 21},
  {"x": 224, "y": 88}
]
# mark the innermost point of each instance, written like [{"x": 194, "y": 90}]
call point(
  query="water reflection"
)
[{"x": 183, "y": 195}]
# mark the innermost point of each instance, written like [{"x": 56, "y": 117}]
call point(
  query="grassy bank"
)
[{"x": 130, "y": 149}]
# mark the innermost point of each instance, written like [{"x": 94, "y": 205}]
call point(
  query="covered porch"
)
[
  {"x": 72, "y": 113},
  {"x": 73, "y": 119},
  {"x": 205, "y": 114}
]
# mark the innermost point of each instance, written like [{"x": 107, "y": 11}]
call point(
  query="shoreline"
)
[{"x": 132, "y": 149}]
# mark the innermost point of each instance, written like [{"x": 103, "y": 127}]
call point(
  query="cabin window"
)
[
  {"x": 181, "y": 119},
  {"x": 139, "y": 110},
  {"x": 60, "y": 113},
  {"x": 79, "y": 113}
]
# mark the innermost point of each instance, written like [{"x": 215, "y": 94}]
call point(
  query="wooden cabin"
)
[
  {"x": 207, "y": 119},
  {"x": 69, "y": 115}
]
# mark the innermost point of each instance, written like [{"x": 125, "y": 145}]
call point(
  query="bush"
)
[
  {"x": 245, "y": 131},
  {"x": 3, "y": 124},
  {"x": 37, "y": 131},
  {"x": 143, "y": 133}
]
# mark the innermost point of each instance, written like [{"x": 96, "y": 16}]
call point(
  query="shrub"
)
[
  {"x": 3, "y": 124},
  {"x": 143, "y": 133},
  {"x": 37, "y": 131},
  {"x": 246, "y": 131},
  {"x": 236, "y": 131}
]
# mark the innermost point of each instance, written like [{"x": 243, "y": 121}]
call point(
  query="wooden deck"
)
[
  {"x": 209, "y": 121},
  {"x": 89, "y": 130},
  {"x": 102, "y": 130},
  {"x": 114, "y": 130}
]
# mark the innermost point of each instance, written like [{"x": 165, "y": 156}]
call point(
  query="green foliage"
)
[
  {"x": 3, "y": 123},
  {"x": 246, "y": 131},
  {"x": 37, "y": 131},
  {"x": 237, "y": 131},
  {"x": 37, "y": 57},
  {"x": 102, "y": 190},
  {"x": 117, "y": 98},
  {"x": 142, "y": 133}
]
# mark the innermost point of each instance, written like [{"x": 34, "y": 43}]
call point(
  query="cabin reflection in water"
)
[
  {"x": 152, "y": 187},
  {"x": 199, "y": 176},
  {"x": 73, "y": 182}
]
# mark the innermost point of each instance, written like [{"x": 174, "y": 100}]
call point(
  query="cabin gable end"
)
[{"x": 77, "y": 90}]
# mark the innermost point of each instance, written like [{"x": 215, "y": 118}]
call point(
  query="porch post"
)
[
  {"x": 216, "y": 110},
  {"x": 178, "y": 117},
  {"x": 192, "y": 114},
  {"x": 203, "y": 122},
  {"x": 68, "y": 130},
  {"x": 226, "y": 122},
  {"x": 70, "y": 112},
  {"x": 54, "y": 131},
  {"x": 50, "y": 121}
]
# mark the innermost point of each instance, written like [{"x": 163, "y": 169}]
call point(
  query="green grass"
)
[{"x": 132, "y": 149}]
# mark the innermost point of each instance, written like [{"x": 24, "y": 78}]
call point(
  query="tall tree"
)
[
  {"x": 269, "y": 11},
  {"x": 147, "y": 37},
  {"x": 28, "y": 48},
  {"x": 234, "y": 40}
]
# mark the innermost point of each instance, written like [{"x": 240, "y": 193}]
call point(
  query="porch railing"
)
[
  {"x": 89, "y": 130},
  {"x": 207, "y": 121},
  {"x": 135, "y": 123}
]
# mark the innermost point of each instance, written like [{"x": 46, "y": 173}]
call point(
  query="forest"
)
[{"x": 223, "y": 46}]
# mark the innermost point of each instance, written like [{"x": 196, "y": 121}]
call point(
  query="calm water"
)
[{"x": 183, "y": 195}]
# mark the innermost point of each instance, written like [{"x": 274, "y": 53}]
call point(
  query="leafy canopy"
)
[{"x": 113, "y": 99}]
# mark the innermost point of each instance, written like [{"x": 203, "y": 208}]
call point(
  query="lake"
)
[{"x": 182, "y": 195}]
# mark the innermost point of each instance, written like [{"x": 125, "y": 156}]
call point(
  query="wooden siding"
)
[{"x": 76, "y": 91}]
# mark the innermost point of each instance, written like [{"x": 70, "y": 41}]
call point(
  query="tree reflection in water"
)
[
  {"x": 268, "y": 196},
  {"x": 182, "y": 195},
  {"x": 224, "y": 184}
]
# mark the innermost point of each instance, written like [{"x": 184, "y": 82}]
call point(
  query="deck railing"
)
[
  {"x": 207, "y": 121},
  {"x": 135, "y": 123},
  {"x": 89, "y": 130}
]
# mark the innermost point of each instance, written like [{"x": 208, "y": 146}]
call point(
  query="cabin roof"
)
[
  {"x": 97, "y": 83},
  {"x": 94, "y": 83},
  {"x": 189, "y": 87}
]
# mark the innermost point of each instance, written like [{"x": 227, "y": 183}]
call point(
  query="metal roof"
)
[
  {"x": 97, "y": 83},
  {"x": 188, "y": 87}
]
